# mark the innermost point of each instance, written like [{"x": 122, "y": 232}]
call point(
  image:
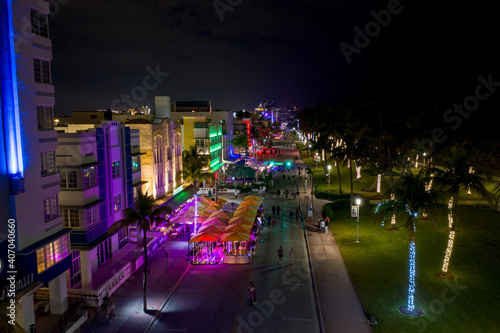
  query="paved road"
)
[{"x": 214, "y": 298}]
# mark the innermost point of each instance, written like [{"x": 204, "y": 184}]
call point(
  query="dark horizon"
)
[{"x": 297, "y": 54}]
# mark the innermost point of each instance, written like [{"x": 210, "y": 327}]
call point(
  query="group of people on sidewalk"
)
[{"x": 323, "y": 225}]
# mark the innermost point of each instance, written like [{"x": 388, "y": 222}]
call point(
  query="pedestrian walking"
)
[
  {"x": 105, "y": 303},
  {"x": 327, "y": 224},
  {"x": 251, "y": 293},
  {"x": 286, "y": 193},
  {"x": 291, "y": 216},
  {"x": 290, "y": 256},
  {"x": 273, "y": 208},
  {"x": 293, "y": 177},
  {"x": 322, "y": 226},
  {"x": 280, "y": 254},
  {"x": 289, "y": 179},
  {"x": 112, "y": 311},
  {"x": 319, "y": 225},
  {"x": 269, "y": 220},
  {"x": 278, "y": 208},
  {"x": 297, "y": 215}
]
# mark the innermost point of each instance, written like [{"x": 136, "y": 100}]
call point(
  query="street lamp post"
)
[
  {"x": 235, "y": 195},
  {"x": 358, "y": 202},
  {"x": 329, "y": 171},
  {"x": 216, "y": 197},
  {"x": 316, "y": 160}
]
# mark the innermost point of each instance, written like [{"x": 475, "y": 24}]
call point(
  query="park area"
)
[{"x": 467, "y": 301}]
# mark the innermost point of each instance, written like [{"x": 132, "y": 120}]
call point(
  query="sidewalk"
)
[
  {"x": 340, "y": 308},
  {"x": 160, "y": 284}
]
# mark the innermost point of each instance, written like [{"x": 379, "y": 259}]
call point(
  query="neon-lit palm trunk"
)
[
  {"x": 412, "y": 271},
  {"x": 451, "y": 237},
  {"x": 393, "y": 219}
]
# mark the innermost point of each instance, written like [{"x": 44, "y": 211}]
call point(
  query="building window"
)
[
  {"x": 91, "y": 215},
  {"x": 117, "y": 202},
  {"x": 39, "y": 23},
  {"x": 136, "y": 163},
  {"x": 200, "y": 143},
  {"x": 42, "y": 71},
  {"x": 158, "y": 151},
  {"x": 51, "y": 207},
  {"x": 48, "y": 163},
  {"x": 45, "y": 117},
  {"x": 135, "y": 193},
  {"x": 89, "y": 177},
  {"x": 75, "y": 271},
  {"x": 123, "y": 237},
  {"x": 52, "y": 253},
  {"x": 115, "y": 169},
  {"x": 104, "y": 252},
  {"x": 71, "y": 218},
  {"x": 69, "y": 179}
]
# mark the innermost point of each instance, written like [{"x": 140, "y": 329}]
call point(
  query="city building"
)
[
  {"x": 100, "y": 167},
  {"x": 211, "y": 131},
  {"x": 162, "y": 155},
  {"x": 29, "y": 177}
]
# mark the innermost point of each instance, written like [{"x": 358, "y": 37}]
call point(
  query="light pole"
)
[
  {"x": 329, "y": 171},
  {"x": 316, "y": 160},
  {"x": 358, "y": 202},
  {"x": 235, "y": 195}
]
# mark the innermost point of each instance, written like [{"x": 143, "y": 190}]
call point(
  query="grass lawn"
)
[
  {"x": 366, "y": 181},
  {"x": 378, "y": 267}
]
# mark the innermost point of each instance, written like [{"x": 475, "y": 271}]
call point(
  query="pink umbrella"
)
[
  {"x": 205, "y": 237},
  {"x": 224, "y": 215}
]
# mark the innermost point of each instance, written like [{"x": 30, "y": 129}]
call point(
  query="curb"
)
[
  {"x": 154, "y": 319},
  {"x": 313, "y": 277}
]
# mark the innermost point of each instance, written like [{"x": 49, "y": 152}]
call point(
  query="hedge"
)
[{"x": 327, "y": 195}]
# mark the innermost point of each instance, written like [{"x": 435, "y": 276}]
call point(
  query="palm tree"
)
[
  {"x": 239, "y": 170},
  {"x": 194, "y": 165},
  {"x": 411, "y": 198},
  {"x": 144, "y": 214},
  {"x": 240, "y": 141},
  {"x": 496, "y": 195},
  {"x": 458, "y": 168},
  {"x": 352, "y": 128}
]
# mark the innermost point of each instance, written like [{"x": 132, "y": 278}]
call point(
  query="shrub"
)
[{"x": 327, "y": 195}]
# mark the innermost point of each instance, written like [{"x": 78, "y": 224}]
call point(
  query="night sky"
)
[{"x": 288, "y": 51}]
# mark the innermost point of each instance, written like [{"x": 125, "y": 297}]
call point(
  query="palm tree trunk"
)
[
  {"x": 452, "y": 215},
  {"x": 411, "y": 277},
  {"x": 352, "y": 184},
  {"x": 145, "y": 244},
  {"x": 390, "y": 166},
  {"x": 338, "y": 174}
]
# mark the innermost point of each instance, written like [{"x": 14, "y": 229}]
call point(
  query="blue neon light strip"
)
[{"x": 10, "y": 96}]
